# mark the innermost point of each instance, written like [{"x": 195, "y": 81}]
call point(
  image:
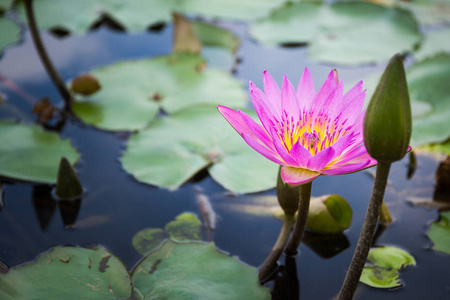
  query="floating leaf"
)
[
  {"x": 68, "y": 273},
  {"x": 10, "y": 33},
  {"x": 172, "y": 83},
  {"x": 185, "y": 227},
  {"x": 195, "y": 271},
  {"x": 329, "y": 214},
  {"x": 172, "y": 149},
  {"x": 137, "y": 15},
  {"x": 343, "y": 32},
  {"x": 435, "y": 42},
  {"x": 439, "y": 233},
  {"x": 68, "y": 185},
  {"x": 147, "y": 239},
  {"x": 385, "y": 263},
  {"x": 428, "y": 83},
  {"x": 27, "y": 152},
  {"x": 428, "y": 12},
  {"x": 5, "y": 5}
]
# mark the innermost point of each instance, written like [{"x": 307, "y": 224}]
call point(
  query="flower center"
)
[{"x": 313, "y": 132}]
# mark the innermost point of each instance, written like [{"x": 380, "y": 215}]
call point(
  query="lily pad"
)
[
  {"x": 439, "y": 233},
  {"x": 384, "y": 263},
  {"x": 185, "y": 227},
  {"x": 343, "y": 32},
  {"x": 435, "y": 42},
  {"x": 195, "y": 271},
  {"x": 137, "y": 15},
  {"x": 68, "y": 273},
  {"x": 428, "y": 12},
  {"x": 428, "y": 83},
  {"x": 171, "y": 83},
  {"x": 5, "y": 5},
  {"x": 27, "y": 152},
  {"x": 174, "y": 148},
  {"x": 10, "y": 33}
]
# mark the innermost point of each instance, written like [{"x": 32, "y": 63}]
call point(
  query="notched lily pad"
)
[
  {"x": 384, "y": 264},
  {"x": 347, "y": 32},
  {"x": 27, "y": 152},
  {"x": 174, "y": 148},
  {"x": 195, "y": 271},
  {"x": 439, "y": 233},
  {"x": 171, "y": 83},
  {"x": 68, "y": 273}
]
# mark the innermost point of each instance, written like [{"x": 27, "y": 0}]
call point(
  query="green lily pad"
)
[
  {"x": 185, "y": 227},
  {"x": 171, "y": 83},
  {"x": 10, "y": 33},
  {"x": 5, "y": 5},
  {"x": 27, "y": 152},
  {"x": 173, "y": 149},
  {"x": 382, "y": 272},
  {"x": 437, "y": 148},
  {"x": 195, "y": 271},
  {"x": 344, "y": 32},
  {"x": 137, "y": 15},
  {"x": 428, "y": 12},
  {"x": 439, "y": 233},
  {"x": 147, "y": 239},
  {"x": 435, "y": 42},
  {"x": 68, "y": 273},
  {"x": 428, "y": 83}
]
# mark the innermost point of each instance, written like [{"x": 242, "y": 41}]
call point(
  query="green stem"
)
[
  {"x": 367, "y": 233},
  {"x": 51, "y": 71},
  {"x": 270, "y": 263},
  {"x": 302, "y": 216}
]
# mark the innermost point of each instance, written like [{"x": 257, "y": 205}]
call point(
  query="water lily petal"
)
[
  {"x": 272, "y": 91},
  {"x": 342, "y": 144},
  {"x": 289, "y": 101},
  {"x": 306, "y": 90},
  {"x": 300, "y": 155},
  {"x": 346, "y": 168},
  {"x": 257, "y": 129},
  {"x": 328, "y": 86},
  {"x": 321, "y": 159},
  {"x": 263, "y": 108},
  {"x": 295, "y": 176},
  {"x": 263, "y": 150},
  {"x": 280, "y": 148},
  {"x": 235, "y": 120}
]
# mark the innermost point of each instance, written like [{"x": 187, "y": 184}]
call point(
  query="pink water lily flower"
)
[{"x": 309, "y": 133}]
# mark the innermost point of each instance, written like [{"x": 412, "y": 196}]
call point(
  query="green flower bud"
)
[
  {"x": 387, "y": 123},
  {"x": 288, "y": 197},
  {"x": 329, "y": 214}
]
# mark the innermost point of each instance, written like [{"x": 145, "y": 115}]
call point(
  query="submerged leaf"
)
[
  {"x": 171, "y": 83},
  {"x": 195, "y": 271},
  {"x": 185, "y": 227},
  {"x": 27, "y": 152},
  {"x": 175, "y": 148},
  {"x": 68, "y": 273},
  {"x": 184, "y": 38},
  {"x": 147, "y": 239}
]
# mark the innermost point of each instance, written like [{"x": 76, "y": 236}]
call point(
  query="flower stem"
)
[
  {"x": 51, "y": 71},
  {"x": 302, "y": 216},
  {"x": 367, "y": 233},
  {"x": 269, "y": 264}
]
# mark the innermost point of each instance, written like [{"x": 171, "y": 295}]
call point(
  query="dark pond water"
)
[{"x": 115, "y": 206}]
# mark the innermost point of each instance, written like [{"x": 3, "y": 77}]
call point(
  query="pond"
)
[{"x": 115, "y": 206}]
